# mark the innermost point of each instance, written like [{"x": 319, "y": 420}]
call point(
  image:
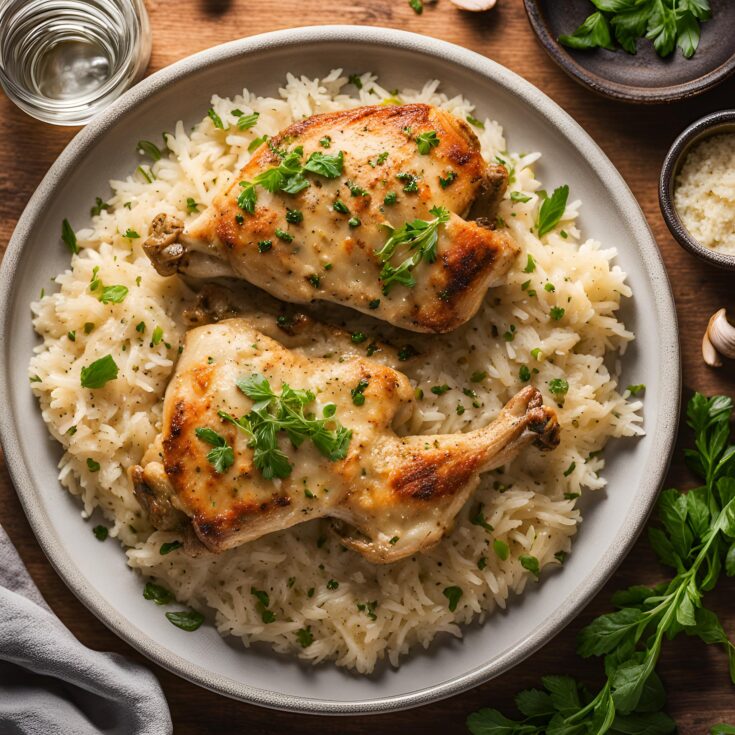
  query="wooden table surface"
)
[{"x": 636, "y": 139}]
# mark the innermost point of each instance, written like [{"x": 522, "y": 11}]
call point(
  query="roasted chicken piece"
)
[
  {"x": 309, "y": 217},
  {"x": 236, "y": 460}
]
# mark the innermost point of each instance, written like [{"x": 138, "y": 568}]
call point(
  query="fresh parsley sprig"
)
[
  {"x": 552, "y": 210},
  {"x": 419, "y": 238},
  {"x": 667, "y": 23},
  {"x": 696, "y": 537},
  {"x": 289, "y": 175},
  {"x": 272, "y": 413}
]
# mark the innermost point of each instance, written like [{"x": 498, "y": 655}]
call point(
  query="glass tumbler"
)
[{"x": 62, "y": 61}]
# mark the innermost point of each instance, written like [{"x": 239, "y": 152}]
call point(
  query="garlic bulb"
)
[
  {"x": 719, "y": 339},
  {"x": 474, "y": 5}
]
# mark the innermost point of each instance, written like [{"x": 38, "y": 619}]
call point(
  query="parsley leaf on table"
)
[{"x": 696, "y": 537}]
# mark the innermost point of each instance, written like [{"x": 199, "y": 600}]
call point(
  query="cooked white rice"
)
[
  {"x": 705, "y": 193},
  {"x": 531, "y": 503}
]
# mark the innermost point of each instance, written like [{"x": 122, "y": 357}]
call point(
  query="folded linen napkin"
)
[{"x": 50, "y": 684}]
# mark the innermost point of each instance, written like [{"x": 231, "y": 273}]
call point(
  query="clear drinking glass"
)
[{"x": 62, "y": 61}]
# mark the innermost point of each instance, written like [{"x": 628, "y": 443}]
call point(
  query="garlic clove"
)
[
  {"x": 475, "y": 6},
  {"x": 719, "y": 339}
]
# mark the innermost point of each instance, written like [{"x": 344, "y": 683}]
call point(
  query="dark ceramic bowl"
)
[
  {"x": 714, "y": 124},
  {"x": 643, "y": 77}
]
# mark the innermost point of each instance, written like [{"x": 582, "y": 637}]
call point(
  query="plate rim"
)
[
  {"x": 662, "y": 441},
  {"x": 614, "y": 90}
]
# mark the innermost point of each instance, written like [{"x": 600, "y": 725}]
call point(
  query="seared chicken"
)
[
  {"x": 388, "y": 496},
  {"x": 309, "y": 215}
]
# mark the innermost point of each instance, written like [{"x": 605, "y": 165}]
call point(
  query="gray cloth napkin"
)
[{"x": 50, "y": 684}]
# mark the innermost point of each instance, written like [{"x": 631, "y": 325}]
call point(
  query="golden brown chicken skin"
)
[
  {"x": 388, "y": 496},
  {"x": 396, "y": 165}
]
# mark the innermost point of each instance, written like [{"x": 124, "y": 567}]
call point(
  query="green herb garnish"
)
[
  {"x": 552, "y": 210},
  {"x": 272, "y": 413},
  {"x": 93, "y": 466},
  {"x": 99, "y": 372},
  {"x": 453, "y": 594},
  {"x": 530, "y": 563},
  {"x": 444, "y": 182},
  {"x": 245, "y": 122},
  {"x": 188, "y": 620},
  {"x": 426, "y": 141},
  {"x": 216, "y": 119},
  {"x": 304, "y": 636},
  {"x": 221, "y": 456},
  {"x": 695, "y": 537},
  {"x": 419, "y": 238},
  {"x": 149, "y": 149},
  {"x": 101, "y": 533},
  {"x": 99, "y": 205},
  {"x": 169, "y": 546},
  {"x": 69, "y": 238},
  {"x": 667, "y": 23},
  {"x": 156, "y": 593}
]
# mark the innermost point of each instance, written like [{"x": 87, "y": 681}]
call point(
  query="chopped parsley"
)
[
  {"x": 410, "y": 182},
  {"x": 524, "y": 373},
  {"x": 446, "y": 181},
  {"x": 156, "y": 593},
  {"x": 314, "y": 279},
  {"x": 304, "y": 636},
  {"x": 216, "y": 119},
  {"x": 474, "y": 121},
  {"x": 556, "y": 313},
  {"x": 245, "y": 122},
  {"x": 169, "y": 546},
  {"x": 558, "y": 387},
  {"x": 341, "y": 207},
  {"x": 149, "y": 149},
  {"x": 530, "y": 264},
  {"x": 552, "y": 210},
  {"x": 256, "y": 143},
  {"x": 531, "y": 564},
  {"x": 101, "y": 533},
  {"x": 99, "y": 205},
  {"x": 634, "y": 390},
  {"x": 221, "y": 456},
  {"x": 453, "y": 594},
  {"x": 294, "y": 216},
  {"x": 440, "y": 390},
  {"x": 264, "y": 245},
  {"x": 390, "y": 198},
  {"x": 426, "y": 141},
  {"x": 419, "y": 238},
  {"x": 191, "y": 206},
  {"x": 354, "y": 222},
  {"x": 325, "y": 142},
  {"x": 157, "y": 336},
  {"x": 283, "y": 235},
  {"x": 517, "y": 196},
  {"x": 478, "y": 376},
  {"x": 188, "y": 620},
  {"x": 93, "y": 466},
  {"x": 501, "y": 549},
  {"x": 69, "y": 238},
  {"x": 99, "y": 373},
  {"x": 272, "y": 413}
]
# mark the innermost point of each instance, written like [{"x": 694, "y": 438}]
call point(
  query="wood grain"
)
[{"x": 636, "y": 140}]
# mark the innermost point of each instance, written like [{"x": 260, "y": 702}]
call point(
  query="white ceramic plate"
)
[{"x": 97, "y": 573}]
